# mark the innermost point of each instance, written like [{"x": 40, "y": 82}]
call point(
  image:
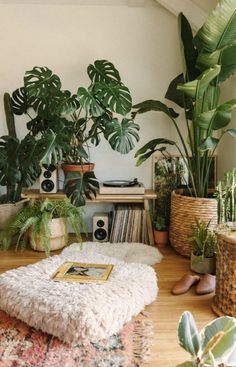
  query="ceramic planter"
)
[
  {"x": 58, "y": 238},
  {"x": 206, "y": 265},
  {"x": 77, "y": 168},
  {"x": 161, "y": 238}
]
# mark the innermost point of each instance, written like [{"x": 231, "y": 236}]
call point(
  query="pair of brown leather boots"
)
[{"x": 204, "y": 284}]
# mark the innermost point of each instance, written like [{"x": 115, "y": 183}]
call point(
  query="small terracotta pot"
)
[
  {"x": 161, "y": 238},
  {"x": 77, "y": 168}
]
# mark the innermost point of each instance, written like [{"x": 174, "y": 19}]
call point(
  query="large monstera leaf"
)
[
  {"x": 103, "y": 71},
  {"x": 121, "y": 135},
  {"x": 114, "y": 96},
  {"x": 89, "y": 103},
  {"x": 78, "y": 186},
  {"x": 41, "y": 82},
  {"x": 20, "y": 103}
]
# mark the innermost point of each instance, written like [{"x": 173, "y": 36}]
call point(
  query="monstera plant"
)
[
  {"x": 68, "y": 124},
  {"x": 209, "y": 59}
]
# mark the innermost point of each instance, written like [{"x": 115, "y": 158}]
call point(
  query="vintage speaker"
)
[
  {"x": 100, "y": 227},
  {"x": 48, "y": 181}
]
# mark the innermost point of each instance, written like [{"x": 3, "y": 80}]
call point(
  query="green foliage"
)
[
  {"x": 226, "y": 198},
  {"x": 64, "y": 125},
  {"x": 203, "y": 239},
  {"x": 214, "y": 345},
  {"x": 160, "y": 223},
  {"x": 208, "y": 60},
  {"x": 36, "y": 217}
]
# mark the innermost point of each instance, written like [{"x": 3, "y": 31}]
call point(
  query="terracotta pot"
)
[
  {"x": 8, "y": 210},
  {"x": 161, "y": 238},
  {"x": 77, "y": 168},
  {"x": 184, "y": 212},
  {"x": 58, "y": 238},
  {"x": 206, "y": 265}
]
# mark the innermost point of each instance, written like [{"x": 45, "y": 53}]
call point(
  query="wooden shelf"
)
[{"x": 148, "y": 195}]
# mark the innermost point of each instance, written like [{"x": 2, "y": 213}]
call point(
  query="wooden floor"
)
[{"x": 164, "y": 313}]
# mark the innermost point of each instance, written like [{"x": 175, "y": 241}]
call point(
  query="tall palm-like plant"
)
[{"x": 209, "y": 58}]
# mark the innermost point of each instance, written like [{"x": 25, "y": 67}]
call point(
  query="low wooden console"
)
[{"x": 102, "y": 198}]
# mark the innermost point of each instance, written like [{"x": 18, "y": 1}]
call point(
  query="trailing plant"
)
[
  {"x": 77, "y": 121},
  {"x": 226, "y": 198},
  {"x": 36, "y": 217},
  {"x": 203, "y": 240},
  {"x": 209, "y": 59},
  {"x": 213, "y": 346}
]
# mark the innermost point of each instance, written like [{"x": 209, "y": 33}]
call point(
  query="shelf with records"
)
[{"x": 129, "y": 224}]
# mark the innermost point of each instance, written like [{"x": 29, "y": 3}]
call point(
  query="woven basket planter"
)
[
  {"x": 184, "y": 211},
  {"x": 8, "y": 210},
  {"x": 224, "y": 301}
]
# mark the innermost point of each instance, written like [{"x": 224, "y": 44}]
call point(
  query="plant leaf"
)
[
  {"x": 188, "y": 334},
  {"x": 89, "y": 103},
  {"x": 20, "y": 103},
  {"x": 152, "y": 105},
  {"x": 209, "y": 144},
  {"x": 121, "y": 136},
  {"x": 40, "y": 82},
  {"x": 148, "y": 149},
  {"x": 219, "y": 30},
  {"x": 218, "y": 118},
  {"x": 186, "y": 364},
  {"x": 114, "y": 96},
  {"x": 103, "y": 71}
]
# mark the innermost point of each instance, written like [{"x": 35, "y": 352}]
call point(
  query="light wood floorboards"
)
[{"x": 164, "y": 313}]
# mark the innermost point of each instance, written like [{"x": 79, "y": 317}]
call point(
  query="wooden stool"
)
[{"x": 224, "y": 301}]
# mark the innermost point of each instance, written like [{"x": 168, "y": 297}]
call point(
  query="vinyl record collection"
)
[{"x": 129, "y": 224}]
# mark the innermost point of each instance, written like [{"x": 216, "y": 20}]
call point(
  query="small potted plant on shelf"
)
[
  {"x": 207, "y": 62},
  {"x": 213, "y": 346},
  {"x": 203, "y": 241},
  {"x": 74, "y": 122},
  {"x": 160, "y": 231},
  {"x": 44, "y": 224}
]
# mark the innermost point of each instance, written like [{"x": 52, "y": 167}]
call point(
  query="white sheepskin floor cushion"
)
[
  {"x": 129, "y": 252},
  {"x": 72, "y": 311}
]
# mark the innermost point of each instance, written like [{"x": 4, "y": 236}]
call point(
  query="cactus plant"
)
[{"x": 214, "y": 345}]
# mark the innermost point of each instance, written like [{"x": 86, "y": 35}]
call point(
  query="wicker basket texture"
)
[
  {"x": 184, "y": 211},
  {"x": 224, "y": 301}
]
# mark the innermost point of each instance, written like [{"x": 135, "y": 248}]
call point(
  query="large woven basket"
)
[
  {"x": 8, "y": 210},
  {"x": 224, "y": 301},
  {"x": 184, "y": 211}
]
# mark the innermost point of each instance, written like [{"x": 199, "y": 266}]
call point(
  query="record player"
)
[{"x": 120, "y": 187}]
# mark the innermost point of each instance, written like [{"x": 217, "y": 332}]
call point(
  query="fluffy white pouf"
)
[
  {"x": 129, "y": 252},
  {"x": 72, "y": 311}
]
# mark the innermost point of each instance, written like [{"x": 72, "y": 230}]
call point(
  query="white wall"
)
[{"x": 142, "y": 42}]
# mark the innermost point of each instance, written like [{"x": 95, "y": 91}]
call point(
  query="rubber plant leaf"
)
[
  {"x": 219, "y": 337},
  {"x": 103, "y": 71},
  {"x": 188, "y": 334},
  {"x": 226, "y": 57},
  {"x": 114, "y": 96},
  {"x": 122, "y": 135},
  {"x": 197, "y": 87},
  {"x": 219, "y": 30},
  {"x": 152, "y": 105},
  {"x": 218, "y": 118},
  {"x": 89, "y": 103}
]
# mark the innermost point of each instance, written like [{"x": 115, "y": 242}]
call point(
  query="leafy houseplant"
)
[
  {"x": 209, "y": 59},
  {"x": 160, "y": 230},
  {"x": 44, "y": 222},
  {"x": 214, "y": 345},
  {"x": 70, "y": 123},
  {"x": 203, "y": 242}
]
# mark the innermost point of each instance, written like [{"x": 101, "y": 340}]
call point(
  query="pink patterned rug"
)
[{"x": 24, "y": 346}]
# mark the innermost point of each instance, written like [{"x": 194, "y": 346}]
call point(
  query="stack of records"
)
[{"x": 129, "y": 224}]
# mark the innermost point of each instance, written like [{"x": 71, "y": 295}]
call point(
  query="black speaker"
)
[
  {"x": 100, "y": 227},
  {"x": 48, "y": 181}
]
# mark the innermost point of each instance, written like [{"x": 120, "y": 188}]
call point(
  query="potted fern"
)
[
  {"x": 209, "y": 59},
  {"x": 44, "y": 224}
]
